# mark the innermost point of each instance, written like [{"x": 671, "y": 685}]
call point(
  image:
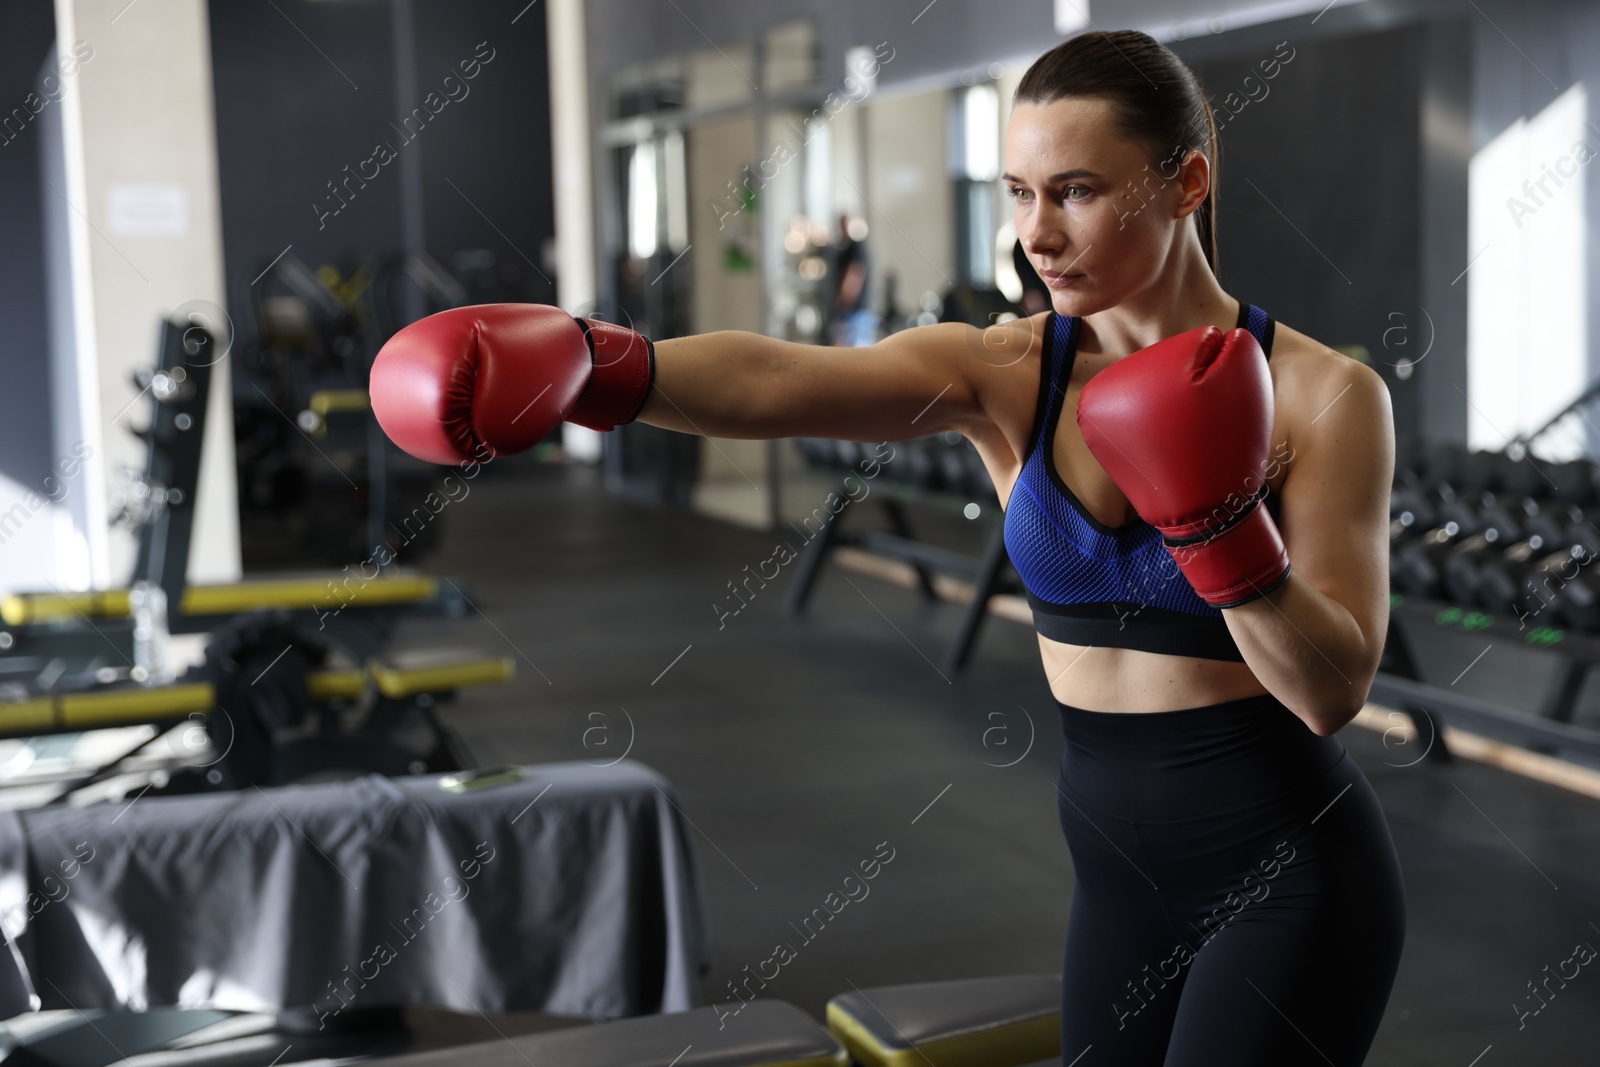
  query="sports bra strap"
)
[{"x": 1061, "y": 348}]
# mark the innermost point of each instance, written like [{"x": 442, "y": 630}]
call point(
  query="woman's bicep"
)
[{"x": 744, "y": 385}]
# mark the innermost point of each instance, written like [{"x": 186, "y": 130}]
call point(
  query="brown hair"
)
[{"x": 1156, "y": 97}]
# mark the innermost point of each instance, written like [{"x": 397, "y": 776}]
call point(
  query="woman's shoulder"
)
[{"x": 1310, "y": 379}]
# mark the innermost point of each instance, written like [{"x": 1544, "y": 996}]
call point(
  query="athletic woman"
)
[{"x": 1196, "y": 500}]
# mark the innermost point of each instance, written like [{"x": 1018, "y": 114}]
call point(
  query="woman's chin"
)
[{"x": 1071, "y": 302}]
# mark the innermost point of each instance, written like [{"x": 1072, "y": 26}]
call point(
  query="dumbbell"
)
[
  {"x": 1415, "y": 568},
  {"x": 1461, "y": 573},
  {"x": 1413, "y": 507},
  {"x": 1573, "y": 579},
  {"x": 1502, "y": 582}
]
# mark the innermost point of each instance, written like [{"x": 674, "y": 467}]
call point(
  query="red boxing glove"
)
[
  {"x": 1184, "y": 428},
  {"x": 495, "y": 379}
]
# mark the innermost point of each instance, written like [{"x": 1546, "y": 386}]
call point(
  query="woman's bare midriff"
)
[{"x": 1126, "y": 680}]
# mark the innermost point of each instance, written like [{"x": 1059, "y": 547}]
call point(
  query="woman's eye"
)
[
  {"x": 1071, "y": 189},
  {"x": 1019, "y": 195}
]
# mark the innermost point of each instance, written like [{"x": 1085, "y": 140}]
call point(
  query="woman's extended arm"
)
[{"x": 745, "y": 385}]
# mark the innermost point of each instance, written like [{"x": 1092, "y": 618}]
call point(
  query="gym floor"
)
[{"x": 798, "y": 746}]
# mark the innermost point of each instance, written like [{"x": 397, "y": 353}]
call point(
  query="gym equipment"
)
[
  {"x": 93, "y": 1038},
  {"x": 317, "y": 481},
  {"x": 984, "y": 1022},
  {"x": 766, "y": 1033},
  {"x": 1462, "y": 564},
  {"x": 80, "y": 629},
  {"x": 269, "y": 719},
  {"x": 1498, "y": 547},
  {"x": 1002, "y": 1021},
  {"x": 941, "y": 470},
  {"x": 86, "y": 660}
]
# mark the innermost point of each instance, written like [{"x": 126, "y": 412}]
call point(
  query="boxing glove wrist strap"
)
[
  {"x": 624, "y": 370},
  {"x": 1241, "y": 562}
]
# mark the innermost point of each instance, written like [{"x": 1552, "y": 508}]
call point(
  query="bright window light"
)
[
  {"x": 1071, "y": 15},
  {"x": 1526, "y": 230},
  {"x": 677, "y": 193},
  {"x": 642, "y": 201},
  {"x": 981, "y": 132}
]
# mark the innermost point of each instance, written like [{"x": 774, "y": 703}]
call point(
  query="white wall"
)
[{"x": 134, "y": 122}]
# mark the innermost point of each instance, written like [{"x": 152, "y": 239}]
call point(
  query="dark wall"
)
[
  {"x": 290, "y": 118},
  {"x": 27, "y": 28},
  {"x": 1319, "y": 186},
  {"x": 935, "y": 40}
]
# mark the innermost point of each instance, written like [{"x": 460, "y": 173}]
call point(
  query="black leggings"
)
[{"x": 1238, "y": 899}]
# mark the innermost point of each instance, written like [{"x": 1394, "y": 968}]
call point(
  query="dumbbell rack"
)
[
  {"x": 1513, "y": 475},
  {"x": 1399, "y": 685}
]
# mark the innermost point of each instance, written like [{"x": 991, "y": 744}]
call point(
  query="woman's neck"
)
[{"x": 1185, "y": 295}]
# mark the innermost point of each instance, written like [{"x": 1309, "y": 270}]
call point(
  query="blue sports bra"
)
[{"x": 1092, "y": 584}]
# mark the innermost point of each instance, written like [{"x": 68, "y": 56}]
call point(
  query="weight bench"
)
[
  {"x": 97, "y": 626},
  {"x": 972, "y": 1022},
  {"x": 980, "y": 1022},
  {"x": 126, "y": 705},
  {"x": 401, "y": 693},
  {"x": 226, "y": 598},
  {"x": 766, "y": 1033}
]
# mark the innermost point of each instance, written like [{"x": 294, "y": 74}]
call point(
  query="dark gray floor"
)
[{"x": 798, "y": 747}]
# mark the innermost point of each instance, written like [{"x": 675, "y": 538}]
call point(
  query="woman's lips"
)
[{"x": 1060, "y": 279}]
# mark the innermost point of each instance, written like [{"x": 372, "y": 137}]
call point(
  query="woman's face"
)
[{"x": 1097, "y": 216}]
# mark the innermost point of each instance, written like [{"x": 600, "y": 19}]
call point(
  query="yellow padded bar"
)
[
  {"x": 398, "y": 682},
  {"x": 98, "y": 708},
  {"x": 1018, "y": 1043},
  {"x": 294, "y": 594},
  {"x": 324, "y": 401},
  {"x": 21, "y": 608},
  {"x": 105, "y": 707},
  {"x": 326, "y": 685}
]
